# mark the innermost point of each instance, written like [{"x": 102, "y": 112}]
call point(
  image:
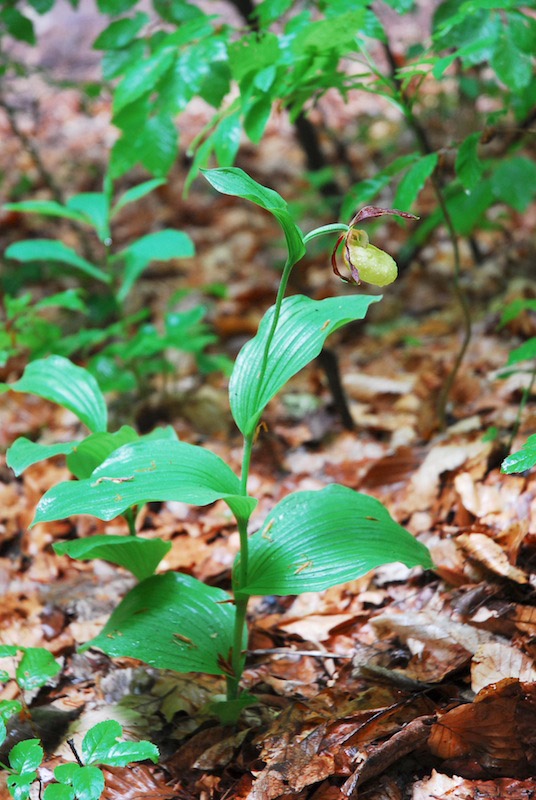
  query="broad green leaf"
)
[
  {"x": 57, "y": 791},
  {"x": 23, "y": 453},
  {"x": 171, "y": 621},
  {"x": 468, "y": 166},
  {"x": 87, "y": 782},
  {"x": 95, "y": 207},
  {"x": 157, "y": 246},
  {"x": 523, "y": 352},
  {"x": 315, "y": 539},
  {"x": 8, "y": 650},
  {"x": 120, "y": 33},
  {"x": 35, "y": 668},
  {"x": 115, "y": 62},
  {"x": 256, "y": 118},
  {"x": 468, "y": 208},
  {"x": 226, "y": 139},
  {"x": 51, "y": 250},
  {"x": 114, "y": 7},
  {"x": 514, "y": 182},
  {"x": 8, "y": 708},
  {"x": 234, "y": 181},
  {"x": 142, "y": 77},
  {"x": 511, "y": 65},
  {"x": 19, "y": 785},
  {"x": 140, "y": 556},
  {"x": 17, "y": 25},
  {"x": 363, "y": 192},
  {"x": 86, "y": 455},
  {"x": 47, "y": 207},
  {"x": 143, "y": 472},
  {"x": 57, "y": 379},
  {"x": 513, "y": 309},
  {"x": 301, "y": 331},
  {"x": 522, "y": 459},
  {"x": 69, "y": 299},
  {"x": 26, "y": 756},
  {"x": 100, "y": 746},
  {"x": 413, "y": 181},
  {"x": 136, "y": 193},
  {"x": 157, "y": 148}
]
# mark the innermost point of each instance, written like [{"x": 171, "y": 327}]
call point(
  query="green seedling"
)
[
  {"x": 311, "y": 540},
  {"x": 80, "y": 780}
]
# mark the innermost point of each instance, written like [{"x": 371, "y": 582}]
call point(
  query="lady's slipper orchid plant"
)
[{"x": 365, "y": 261}]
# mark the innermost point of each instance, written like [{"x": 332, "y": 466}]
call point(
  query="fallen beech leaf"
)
[
  {"x": 438, "y": 643},
  {"x": 412, "y": 736},
  {"x": 493, "y": 735},
  {"x": 494, "y": 661},
  {"x": 134, "y": 783},
  {"x": 485, "y": 550}
]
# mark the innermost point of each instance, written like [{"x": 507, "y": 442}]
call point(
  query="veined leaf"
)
[
  {"x": 120, "y": 33},
  {"x": 57, "y": 379},
  {"x": 137, "y": 192},
  {"x": 100, "y": 746},
  {"x": 522, "y": 459},
  {"x": 36, "y": 666},
  {"x": 315, "y": 539},
  {"x": 301, "y": 331},
  {"x": 140, "y": 556},
  {"x": 143, "y": 472},
  {"x": 236, "y": 182},
  {"x": 51, "y": 250},
  {"x": 142, "y": 77},
  {"x": 94, "y": 205},
  {"x": 23, "y": 453},
  {"x": 413, "y": 181},
  {"x": 468, "y": 166},
  {"x": 171, "y": 621},
  {"x": 91, "y": 451},
  {"x": 48, "y": 208},
  {"x": 523, "y": 352},
  {"x": 157, "y": 246}
]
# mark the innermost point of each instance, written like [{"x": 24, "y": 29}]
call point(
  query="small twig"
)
[
  {"x": 284, "y": 651},
  {"x": 74, "y": 751}
]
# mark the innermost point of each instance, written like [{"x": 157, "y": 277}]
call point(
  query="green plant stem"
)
[
  {"x": 523, "y": 402},
  {"x": 131, "y": 521},
  {"x": 241, "y": 599}
]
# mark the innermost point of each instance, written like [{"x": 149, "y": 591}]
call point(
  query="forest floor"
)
[{"x": 419, "y": 684}]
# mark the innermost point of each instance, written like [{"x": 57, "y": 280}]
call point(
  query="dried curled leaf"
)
[{"x": 493, "y": 735}]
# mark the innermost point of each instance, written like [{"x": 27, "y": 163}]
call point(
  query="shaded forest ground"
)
[{"x": 385, "y": 707}]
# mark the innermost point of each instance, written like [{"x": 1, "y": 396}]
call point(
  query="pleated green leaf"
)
[
  {"x": 23, "y": 453},
  {"x": 140, "y": 556},
  {"x": 313, "y": 540},
  {"x": 171, "y": 621},
  {"x": 302, "y": 329},
  {"x": 57, "y": 379},
  {"x": 51, "y": 250},
  {"x": 142, "y": 472},
  {"x": 91, "y": 451}
]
